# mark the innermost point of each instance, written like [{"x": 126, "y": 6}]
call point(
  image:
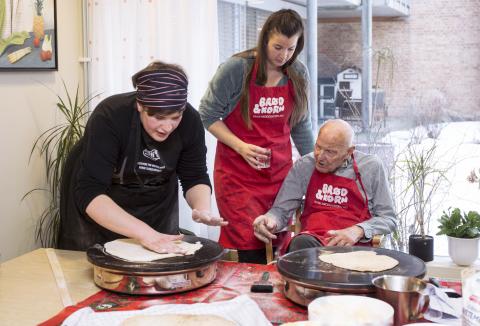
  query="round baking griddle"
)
[
  {"x": 304, "y": 267},
  {"x": 210, "y": 252},
  {"x": 165, "y": 276}
]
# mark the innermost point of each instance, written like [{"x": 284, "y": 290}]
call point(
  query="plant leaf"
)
[
  {"x": 54, "y": 145},
  {"x": 17, "y": 38}
]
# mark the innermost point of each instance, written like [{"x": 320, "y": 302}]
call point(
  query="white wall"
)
[{"x": 28, "y": 108}]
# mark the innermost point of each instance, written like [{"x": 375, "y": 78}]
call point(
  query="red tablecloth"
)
[{"x": 232, "y": 279}]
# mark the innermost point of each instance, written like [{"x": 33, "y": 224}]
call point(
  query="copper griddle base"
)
[
  {"x": 166, "y": 276},
  {"x": 154, "y": 283},
  {"x": 303, "y": 294},
  {"x": 307, "y": 277}
]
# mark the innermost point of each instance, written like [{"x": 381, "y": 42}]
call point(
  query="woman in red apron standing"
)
[{"x": 255, "y": 102}]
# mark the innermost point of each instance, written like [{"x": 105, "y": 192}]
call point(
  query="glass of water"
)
[{"x": 265, "y": 163}]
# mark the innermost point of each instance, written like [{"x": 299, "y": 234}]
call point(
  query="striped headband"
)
[{"x": 162, "y": 89}]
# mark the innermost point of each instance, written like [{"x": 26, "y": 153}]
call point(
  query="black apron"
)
[{"x": 144, "y": 184}]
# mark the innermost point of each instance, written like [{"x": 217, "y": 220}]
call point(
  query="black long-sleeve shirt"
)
[{"x": 106, "y": 140}]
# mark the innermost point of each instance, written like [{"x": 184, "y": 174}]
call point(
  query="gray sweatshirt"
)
[
  {"x": 224, "y": 92},
  {"x": 374, "y": 179}
]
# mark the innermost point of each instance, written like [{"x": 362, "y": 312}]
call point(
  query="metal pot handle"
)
[{"x": 422, "y": 305}]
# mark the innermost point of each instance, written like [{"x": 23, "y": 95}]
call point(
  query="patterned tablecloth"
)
[{"x": 233, "y": 279}]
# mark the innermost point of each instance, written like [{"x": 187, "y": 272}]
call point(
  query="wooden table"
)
[
  {"x": 28, "y": 291},
  {"x": 29, "y": 294}
]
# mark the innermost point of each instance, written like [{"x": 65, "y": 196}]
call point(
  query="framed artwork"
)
[{"x": 28, "y": 35}]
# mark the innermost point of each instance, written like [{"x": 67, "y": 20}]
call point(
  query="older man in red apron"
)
[{"x": 347, "y": 197}]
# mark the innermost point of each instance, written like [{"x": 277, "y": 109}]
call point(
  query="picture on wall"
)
[{"x": 28, "y": 38}]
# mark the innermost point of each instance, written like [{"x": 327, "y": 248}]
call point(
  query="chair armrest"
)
[
  {"x": 230, "y": 255},
  {"x": 376, "y": 240},
  {"x": 269, "y": 250}
]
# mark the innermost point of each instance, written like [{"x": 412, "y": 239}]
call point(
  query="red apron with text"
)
[
  {"x": 332, "y": 203},
  {"x": 242, "y": 192}
]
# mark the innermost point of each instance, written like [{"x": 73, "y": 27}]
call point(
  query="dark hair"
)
[
  {"x": 161, "y": 112},
  {"x": 289, "y": 23},
  {"x": 156, "y": 65}
]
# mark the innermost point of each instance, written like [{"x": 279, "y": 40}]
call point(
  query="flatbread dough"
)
[
  {"x": 178, "y": 320},
  {"x": 362, "y": 261},
  {"x": 132, "y": 250}
]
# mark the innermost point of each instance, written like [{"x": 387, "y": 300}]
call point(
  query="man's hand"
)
[
  {"x": 264, "y": 228},
  {"x": 163, "y": 243},
  {"x": 345, "y": 237},
  {"x": 207, "y": 218}
]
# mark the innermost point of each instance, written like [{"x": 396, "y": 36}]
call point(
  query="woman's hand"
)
[
  {"x": 253, "y": 155},
  {"x": 163, "y": 243},
  {"x": 206, "y": 217}
]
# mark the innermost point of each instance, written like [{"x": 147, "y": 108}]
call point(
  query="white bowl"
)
[
  {"x": 349, "y": 310},
  {"x": 425, "y": 324}
]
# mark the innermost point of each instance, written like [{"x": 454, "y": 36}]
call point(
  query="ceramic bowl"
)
[{"x": 349, "y": 310}]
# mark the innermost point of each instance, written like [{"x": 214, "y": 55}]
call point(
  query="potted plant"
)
[
  {"x": 54, "y": 145},
  {"x": 463, "y": 232},
  {"x": 417, "y": 182}
]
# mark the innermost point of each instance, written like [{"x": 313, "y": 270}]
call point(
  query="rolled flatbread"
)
[
  {"x": 178, "y": 320},
  {"x": 132, "y": 250},
  {"x": 362, "y": 261}
]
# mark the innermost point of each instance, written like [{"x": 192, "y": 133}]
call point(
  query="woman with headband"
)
[
  {"x": 254, "y": 103},
  {"x": 121, "y": 180}
]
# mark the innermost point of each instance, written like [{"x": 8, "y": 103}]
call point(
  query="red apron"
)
[
  {"x": 332, "y": 203},
  {"x": 242, "y": 192}
]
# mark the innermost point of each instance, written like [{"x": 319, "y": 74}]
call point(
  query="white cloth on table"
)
[
  {"x": 443, "y": 309},
  {"x": 242, "y": 310}
]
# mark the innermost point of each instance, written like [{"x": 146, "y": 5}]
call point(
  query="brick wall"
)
[{"x": 436, "y": 50}]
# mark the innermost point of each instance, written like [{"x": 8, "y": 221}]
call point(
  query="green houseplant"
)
[
  {"x": 54, "y": 145},
  {"x": 463, "y": 232},
  {"x": 460, "y": 225}
]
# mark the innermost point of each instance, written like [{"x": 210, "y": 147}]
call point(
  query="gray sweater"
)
[
  {"x": 225, "y": 90},
  {"x": 374, "y": 179}
]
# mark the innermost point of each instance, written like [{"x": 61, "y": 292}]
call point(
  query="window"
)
[
  {"x": 344, "y": 85},
  {"x": 350, "y": 76},
  {"x": 231, "y": 27},
  {"x": 326, "y": 105},
  {"x": 238, "y": 28}
]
